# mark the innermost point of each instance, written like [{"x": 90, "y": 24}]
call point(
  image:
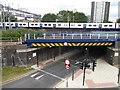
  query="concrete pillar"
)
[
  {"x": 59, "y": 50},
  {"x": 114, "y": 54}
]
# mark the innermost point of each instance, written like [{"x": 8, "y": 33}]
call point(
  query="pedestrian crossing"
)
[{"x": 37, "y": 75}]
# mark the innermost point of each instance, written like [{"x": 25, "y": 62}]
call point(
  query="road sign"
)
[
  {"x": 67, "y": 66},
  {"x": 67, "y": 62}
]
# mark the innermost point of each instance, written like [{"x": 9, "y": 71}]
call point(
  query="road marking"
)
[
  {"x": 34, "y": 74},
  {"x": 52, "y": 74},
  {"x": 39, "y": 77}
]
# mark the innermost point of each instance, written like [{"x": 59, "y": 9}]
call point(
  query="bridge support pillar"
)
[
  {"x": 113, "y": 54},
  {"x": 59, "y": 50}
]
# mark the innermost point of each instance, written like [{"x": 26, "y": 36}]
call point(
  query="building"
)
[
  {"x": 88, "y": 18},
  {"x": 100, "y": 11},
  {"x": 119, "y": 9}
]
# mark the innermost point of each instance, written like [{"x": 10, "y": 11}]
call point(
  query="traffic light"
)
[
  {"x": 81, "y": 66},
  {"x": 94, "y": 65},
  {"x": 87, "y": 65}
]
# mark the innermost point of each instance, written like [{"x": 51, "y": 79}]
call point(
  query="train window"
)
[
  {"x": 54, "y": 24},
  {"x": 94, "y": 25},
  {"x": 12, "y": 24},
  {"x": 105, "y": 25},
  {"x": 72, "y": 24},
  {"x": 79, "y": 24},
  {"x": 36, "y": 24},
  {"x": 49, "y": 24},
  {"x": 119, "y": 25},
  {"x": 45, "y": 24},
  {"x": 20, "y": 24},
  {"x": 100, "y": 25},
  {"x": 40, "y": 24},
  {"x": 8, "y": 24},
  {"x": 110, "y": 25},
  {"x": 90, "y": 25},
  {"x": 65, "y": 24},
  {"x": 32, "y": 24},
  {"x": 24, "y": 24},
  {"x": 59, "y": 24}
]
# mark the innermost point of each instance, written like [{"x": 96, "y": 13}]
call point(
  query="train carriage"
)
[
  {"x": 118, "y": 26},
  {"x": 76, "y": 25},
  {"x": 10, "y": 24},
  {"x": 34, "y": 24},
  {"x": 107, "y": 25},
  {"x": 62, "y": 25},
  {"x": 22, "y": 24}
]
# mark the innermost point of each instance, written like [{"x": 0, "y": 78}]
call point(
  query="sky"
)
[{"x": 54, "y": 6}]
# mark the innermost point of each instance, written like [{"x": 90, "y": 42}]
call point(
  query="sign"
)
[
  {"x": 65, "y": 43},
  {"x": 34, "y": 54},
  {"x": 67, "y": 64},
  {"x": 116, "y": 54}
]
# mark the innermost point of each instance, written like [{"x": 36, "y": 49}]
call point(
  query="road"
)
[{"x": 47, "y": 77}]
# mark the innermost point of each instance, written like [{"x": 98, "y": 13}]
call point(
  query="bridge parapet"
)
[{"x": 73, "y": 39}]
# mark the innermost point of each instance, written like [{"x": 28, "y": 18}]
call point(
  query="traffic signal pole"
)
[{"x": 84, "y": 75}]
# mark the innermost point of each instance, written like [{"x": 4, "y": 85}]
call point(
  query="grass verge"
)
[{"x": 10, "y": 72}]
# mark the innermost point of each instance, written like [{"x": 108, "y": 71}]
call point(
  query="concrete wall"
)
[
  {"x": 21, "y": 55},
  {"x": 113, "y": 54}
]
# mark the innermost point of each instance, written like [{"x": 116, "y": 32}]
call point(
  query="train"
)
[{"x": 57, "y": 25}]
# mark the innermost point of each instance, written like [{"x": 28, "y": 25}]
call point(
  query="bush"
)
[{"x": 19, "y": 32}]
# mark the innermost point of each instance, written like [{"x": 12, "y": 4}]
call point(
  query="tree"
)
[
  {"x": 49, "y": 17},
  {"x": 69, "y": 16},
  {"x": 80, "y": 17},
  {"x": 118, "y": 20},
  {"x": 65, "y": 16}
]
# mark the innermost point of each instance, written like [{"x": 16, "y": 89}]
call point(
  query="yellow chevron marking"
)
[
  {"x": 86, "y": 44},
  {"x": 56, "y": 44},
  {"x": 82, "y": 44},
  {"x": 38, "y": 44},
  {"x": 78, "y": 44},
  {"x": 33, "y": 44},
  {"x": 94, "y": 44},
  {"x": 106, "y": 44},
  {"x": 43, "y": 44},
  {"x": 69, "y": 44},
  {"x": 98, "y": 44},
  {"x": 73, "y": 44},
  {"x": 110, "y": 44},
  {"x": 52, "y": 44},
  {"x": 90, "y": 44},
  {"x": 47, "y": 44},
  {"x": 102, "y": 44},
  {"x": 61, "y": 44}
]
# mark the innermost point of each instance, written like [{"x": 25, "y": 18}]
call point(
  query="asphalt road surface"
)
[{"x": 47, "y": 77}]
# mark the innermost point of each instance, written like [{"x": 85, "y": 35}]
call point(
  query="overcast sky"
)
[{"x": 54, "y": 6}]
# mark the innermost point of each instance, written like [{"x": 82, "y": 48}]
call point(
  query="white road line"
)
[
  {"x": 34, "y": 74},
  {"x": 39, "y": 77},
  {"x": 52, "y": 74}
]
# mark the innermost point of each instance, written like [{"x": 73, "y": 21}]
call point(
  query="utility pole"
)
[{"x": 84, "y": 73}]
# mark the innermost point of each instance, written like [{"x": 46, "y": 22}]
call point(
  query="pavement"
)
[{"x": 104, "y": 76}]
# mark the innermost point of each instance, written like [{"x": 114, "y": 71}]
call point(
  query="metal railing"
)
[
  {"x": 76, "y": 36},
  {"x": 80, "y": 36}
]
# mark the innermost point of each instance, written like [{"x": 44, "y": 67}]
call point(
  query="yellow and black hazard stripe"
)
[{"x": 72, "y": 44}]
